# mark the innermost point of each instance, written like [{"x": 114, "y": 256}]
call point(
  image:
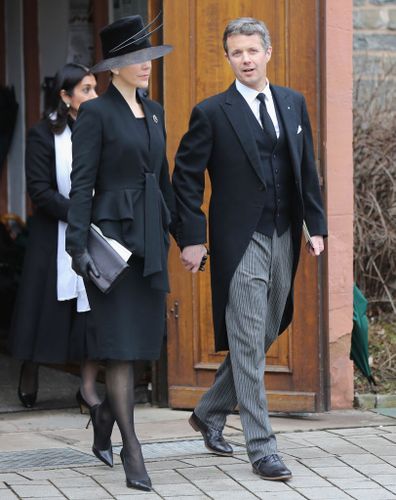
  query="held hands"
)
[
  {"x": 194, "y": 257},
  {"x": 316, "y": 247},
  {"x": 83, "y": 264}
]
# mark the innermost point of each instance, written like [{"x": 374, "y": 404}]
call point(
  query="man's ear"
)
[
  {"x": 226, "y": 56},
  {"x": 269, "y": 53}
]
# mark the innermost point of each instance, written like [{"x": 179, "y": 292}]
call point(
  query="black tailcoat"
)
[{"x": 219, "y": 139}]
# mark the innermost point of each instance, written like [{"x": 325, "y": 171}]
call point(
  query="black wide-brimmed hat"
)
[{"x": 126, "y": 41}]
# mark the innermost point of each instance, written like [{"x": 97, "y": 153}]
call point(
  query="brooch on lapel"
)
[{"x": 155, "y": 119}]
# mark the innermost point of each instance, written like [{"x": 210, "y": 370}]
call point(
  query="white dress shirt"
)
[{"x": 250, "y": 96}]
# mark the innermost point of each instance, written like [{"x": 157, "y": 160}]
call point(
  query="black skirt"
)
[
  {"x": 43, "y": 329},
  {"x": 129, "y": 322}
]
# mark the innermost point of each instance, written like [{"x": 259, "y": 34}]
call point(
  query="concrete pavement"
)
[{"x": 338, "y": 455}]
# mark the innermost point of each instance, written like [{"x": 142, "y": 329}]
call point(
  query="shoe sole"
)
[
  {"x": 221, "y": 454},
  {"x": 197, "y": 429},
  {"x": 276, "y": 478}
]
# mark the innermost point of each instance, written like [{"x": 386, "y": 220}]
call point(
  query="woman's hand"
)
[{"x": 83, "y": 264}]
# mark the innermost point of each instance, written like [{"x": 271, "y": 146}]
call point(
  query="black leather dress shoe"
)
[
  {"x": 213, "y": 438},
  {"x": 272, "y": 468}
]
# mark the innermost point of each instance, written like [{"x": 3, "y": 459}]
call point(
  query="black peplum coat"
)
[
  {"x": 220, "y": 141},
  {"x": 124, "y": 191}
]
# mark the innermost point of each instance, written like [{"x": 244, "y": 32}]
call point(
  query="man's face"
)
[{"x": 248, "y": 59}]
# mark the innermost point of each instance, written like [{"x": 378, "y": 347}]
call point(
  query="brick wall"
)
[{"x": 374, "y": 41}]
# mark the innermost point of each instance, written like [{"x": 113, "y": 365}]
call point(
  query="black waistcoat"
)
[{"x": 278, "y": 175}]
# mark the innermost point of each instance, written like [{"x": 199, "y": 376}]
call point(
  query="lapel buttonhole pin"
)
[
  {"x": 288, "y": 107},
  {"x": 155, "y": 119}
]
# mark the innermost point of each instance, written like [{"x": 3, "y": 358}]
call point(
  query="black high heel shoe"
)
[
  {"x": 27, "y": 399},
  {"x": 85, "y": 407},
  {"x": 143, "y": 484},
  {"x": 106, "y": 454}
]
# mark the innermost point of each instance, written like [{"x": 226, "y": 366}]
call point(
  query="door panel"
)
[{"x": 195, "y": 70}]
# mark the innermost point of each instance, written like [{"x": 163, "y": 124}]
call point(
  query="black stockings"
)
[
  {"x": 120, "y": 402},
  {"x": 89, "y": 372}
]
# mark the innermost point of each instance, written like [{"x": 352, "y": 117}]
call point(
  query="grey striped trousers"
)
[{"x": 257, "y": 298}]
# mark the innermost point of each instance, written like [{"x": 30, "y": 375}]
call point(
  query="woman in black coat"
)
[
  {"x": 47, "y": 327},
  {"x": 120, "y": 182}
]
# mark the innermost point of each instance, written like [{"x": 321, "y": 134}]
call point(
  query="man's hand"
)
[
  {"x": 192, "y": 255},
  {"x": 317, "y": 246}
]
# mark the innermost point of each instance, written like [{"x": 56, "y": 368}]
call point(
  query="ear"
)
[
  {"x": 226, "y": 56},
  {"x": 115, "y": 71},
  {"x": 269, "y": 53},
  {"x": 65, "y": 97}
]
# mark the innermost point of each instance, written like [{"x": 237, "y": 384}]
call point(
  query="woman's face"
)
[
  {"x": 83, "y": 91},
  {"x": 135, "y": 75}
]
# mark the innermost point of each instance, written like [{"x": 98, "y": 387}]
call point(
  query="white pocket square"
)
[{"x": 299, "y": 129}]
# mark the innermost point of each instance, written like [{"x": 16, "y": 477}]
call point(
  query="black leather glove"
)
[{"x": 83, "y": 264}]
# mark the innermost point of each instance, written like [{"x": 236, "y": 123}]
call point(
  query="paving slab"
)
[
  {"x": 377, "y": 494},
  {"x": 8, "y": 495},
  {"x": 138, "y": 496},
  {"x": 236, "y": 495},
  {"x": 173, "y": 490},
  {"x": 293, "y": 495},
  {"x": 388, "y": 480},
  {"x": 353, "y": 483},
  {"x": 339, "y": 472},
  {"x": 317, "y": 463},
  {"x": 85, "y": 493},
  {"x": 327, "y": 493},
  {"x": 362, "y": 458},
  {"x": 260, "y": 486},
  {"x": 213, "y": 473},
  {"x": 34, "y": 490},
  {"x": 168, "y": 477}
]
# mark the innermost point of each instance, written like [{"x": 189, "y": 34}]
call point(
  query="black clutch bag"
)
[{"x": 108, "y": 261}]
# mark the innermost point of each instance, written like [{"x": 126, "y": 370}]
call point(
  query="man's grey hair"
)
[{"x": 247, "y": 26}]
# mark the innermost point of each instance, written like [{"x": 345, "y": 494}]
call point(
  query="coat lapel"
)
[
  {"x": 235, "y": 110},
  {"x": 290, "y": 123}
]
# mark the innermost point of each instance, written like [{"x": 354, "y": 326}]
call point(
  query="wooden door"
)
[{"x": 195, "y": 70}]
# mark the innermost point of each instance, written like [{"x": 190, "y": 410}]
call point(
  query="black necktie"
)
[{"x": 265, "y": 118}]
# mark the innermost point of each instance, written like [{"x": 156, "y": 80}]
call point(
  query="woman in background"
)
[{"x": 51, "y": 319}]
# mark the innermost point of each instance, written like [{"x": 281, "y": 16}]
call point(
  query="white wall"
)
[{"x": 15, "y": 77}]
